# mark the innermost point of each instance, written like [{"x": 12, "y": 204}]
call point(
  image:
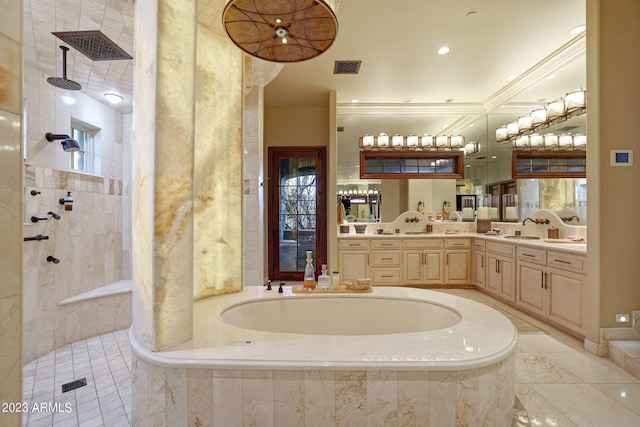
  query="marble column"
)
[
  {"x": 187, "y": 181},
  {"x": 11, "y": 200},
  {"x": 165, "y": 34}
]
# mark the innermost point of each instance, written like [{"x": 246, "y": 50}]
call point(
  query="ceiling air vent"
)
[
  {"x": 346, "y": 67},
  {"x": 93, "y": 44}
]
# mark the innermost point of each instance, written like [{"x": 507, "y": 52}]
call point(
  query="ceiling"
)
[
  {"x": 396, "y": 42},
  {"x": 404, "y": 86}
]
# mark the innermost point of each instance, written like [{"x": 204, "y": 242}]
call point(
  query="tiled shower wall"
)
[
  {"x": 92, "y": 241},
  {"x": 10, "y": 189}
]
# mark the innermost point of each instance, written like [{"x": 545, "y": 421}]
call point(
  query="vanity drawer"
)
[
  {"x": 386, "y": 244},
  {"x": 537, "y": 256},
  {"x": 564, "y": 261},
  {"x": 423, "y": 243},
  {"x": 501, "y": 249},
  {"x": 354, "y": 244},
  {"x": 385, "y": 258},
  {"x": 457, "y": 243},
  {"x": 386, "y": 276},
  {"x": 478, "y": 245}
]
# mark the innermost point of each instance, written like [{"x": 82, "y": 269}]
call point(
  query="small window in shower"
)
[{"x": 85, "y": 159}]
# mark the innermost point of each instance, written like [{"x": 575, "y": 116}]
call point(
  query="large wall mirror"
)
[{"x": 490, "y": 170}]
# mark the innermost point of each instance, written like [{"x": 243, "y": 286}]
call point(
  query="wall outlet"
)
[{"x": 622, "y": 318}]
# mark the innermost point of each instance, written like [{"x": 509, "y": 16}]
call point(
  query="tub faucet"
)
[{"x": 536, "y": 221}]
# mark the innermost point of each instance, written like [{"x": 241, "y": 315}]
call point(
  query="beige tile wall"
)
[{"x": 10, "y": 207}]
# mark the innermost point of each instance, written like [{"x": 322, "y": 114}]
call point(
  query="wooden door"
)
[{"x": 297, "y": 210}]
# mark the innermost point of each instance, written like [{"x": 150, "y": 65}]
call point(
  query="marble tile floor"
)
[{"x": 557, "y": 382}]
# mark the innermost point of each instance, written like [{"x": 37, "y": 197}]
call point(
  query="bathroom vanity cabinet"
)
[
  {"x": 478, "y": 266},
  {"x": 354, "y": 259},
  {"x": 457, "y": 257},
  {"x": 423, "y": 262},
  {"x": 500, "y": 270},
  {"x": 406, "y": 260},
  {"x": 551, "y": 285},
  {"x": 386, "y": 256}
]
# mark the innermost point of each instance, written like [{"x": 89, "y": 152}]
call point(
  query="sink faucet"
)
[{"x": 536, "y": 221}]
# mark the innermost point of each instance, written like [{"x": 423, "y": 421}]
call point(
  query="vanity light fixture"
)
[
  {"x": 573, "y": 104},
  {"x": 471, "y": 149},
  {"x": 426, "y": 142},
  {"x": 281, "y": 30}
]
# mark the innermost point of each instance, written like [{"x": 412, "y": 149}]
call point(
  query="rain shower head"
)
[
  {"x": 68, "y": 144},
  {"x": 63, "y": 82}
]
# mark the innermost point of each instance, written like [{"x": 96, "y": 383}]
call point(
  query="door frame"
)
[{"x": 273, "y": 214}]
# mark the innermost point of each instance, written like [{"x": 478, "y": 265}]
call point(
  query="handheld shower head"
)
[{"x": 68, "y": 144}]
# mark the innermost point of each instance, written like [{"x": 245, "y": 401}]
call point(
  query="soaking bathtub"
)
[{"x": 396, "y": 356}]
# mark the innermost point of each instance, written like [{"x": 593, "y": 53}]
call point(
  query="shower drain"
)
[{"x": 74, "y": 385}]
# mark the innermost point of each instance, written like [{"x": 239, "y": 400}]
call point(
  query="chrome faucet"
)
[{"x": 536, "y": 221}]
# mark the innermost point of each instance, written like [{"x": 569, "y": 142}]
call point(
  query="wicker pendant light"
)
[{"x": 281, "y": 30}]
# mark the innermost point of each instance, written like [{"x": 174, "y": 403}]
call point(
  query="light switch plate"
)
[{"x": 621, "y": 157}]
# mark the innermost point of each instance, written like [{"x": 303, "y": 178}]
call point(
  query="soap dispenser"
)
[{"x": 324, "y": 281}]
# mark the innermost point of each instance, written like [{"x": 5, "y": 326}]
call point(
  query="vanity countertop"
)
[{"x": 578, "y": 248}]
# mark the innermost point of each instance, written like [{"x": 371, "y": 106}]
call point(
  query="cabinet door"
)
[
  {"x": 479, "y": 269},
  {"x": 433, "y": 268},
  {"x": 456, "y": 268},
  {"x": 531, "y": 293},
  {"x": 354, "y": 265},
  {"x": 413, "y": 266},
  {"x": 507, "y": 271},
  {"x": 493, "y": 277},
  {"x": 564, "y": 298}
]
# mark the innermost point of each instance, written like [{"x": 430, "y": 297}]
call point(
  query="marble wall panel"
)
[
  {"x": 320, "y": 401},
  {"x": 227, "y": 397},
  {"x": 263, "y": 397},
  {"x": 218, "y": 142},
  {"x": 288, "y": 398}
]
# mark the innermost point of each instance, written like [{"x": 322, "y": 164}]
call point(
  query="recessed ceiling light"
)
[
  {"x": 354, "y": 100},
  {"x": 511, "y": 77},
  {"x": 443, "y": 50},
  {"x": 577, "y": 30},
  {"x": 113, "y": 98},
  {"x": 278, "y": 21},
  {"x": 494, "y": 157}
]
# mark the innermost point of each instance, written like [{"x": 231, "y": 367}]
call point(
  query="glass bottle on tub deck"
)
[
  {"x": 324, "y": 281},
  {"x": 309, "y": 274}
]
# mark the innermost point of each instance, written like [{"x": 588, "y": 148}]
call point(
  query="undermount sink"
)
[
  {"x": 415, "y": 232},
  {"x": 522, "y": 237}
]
